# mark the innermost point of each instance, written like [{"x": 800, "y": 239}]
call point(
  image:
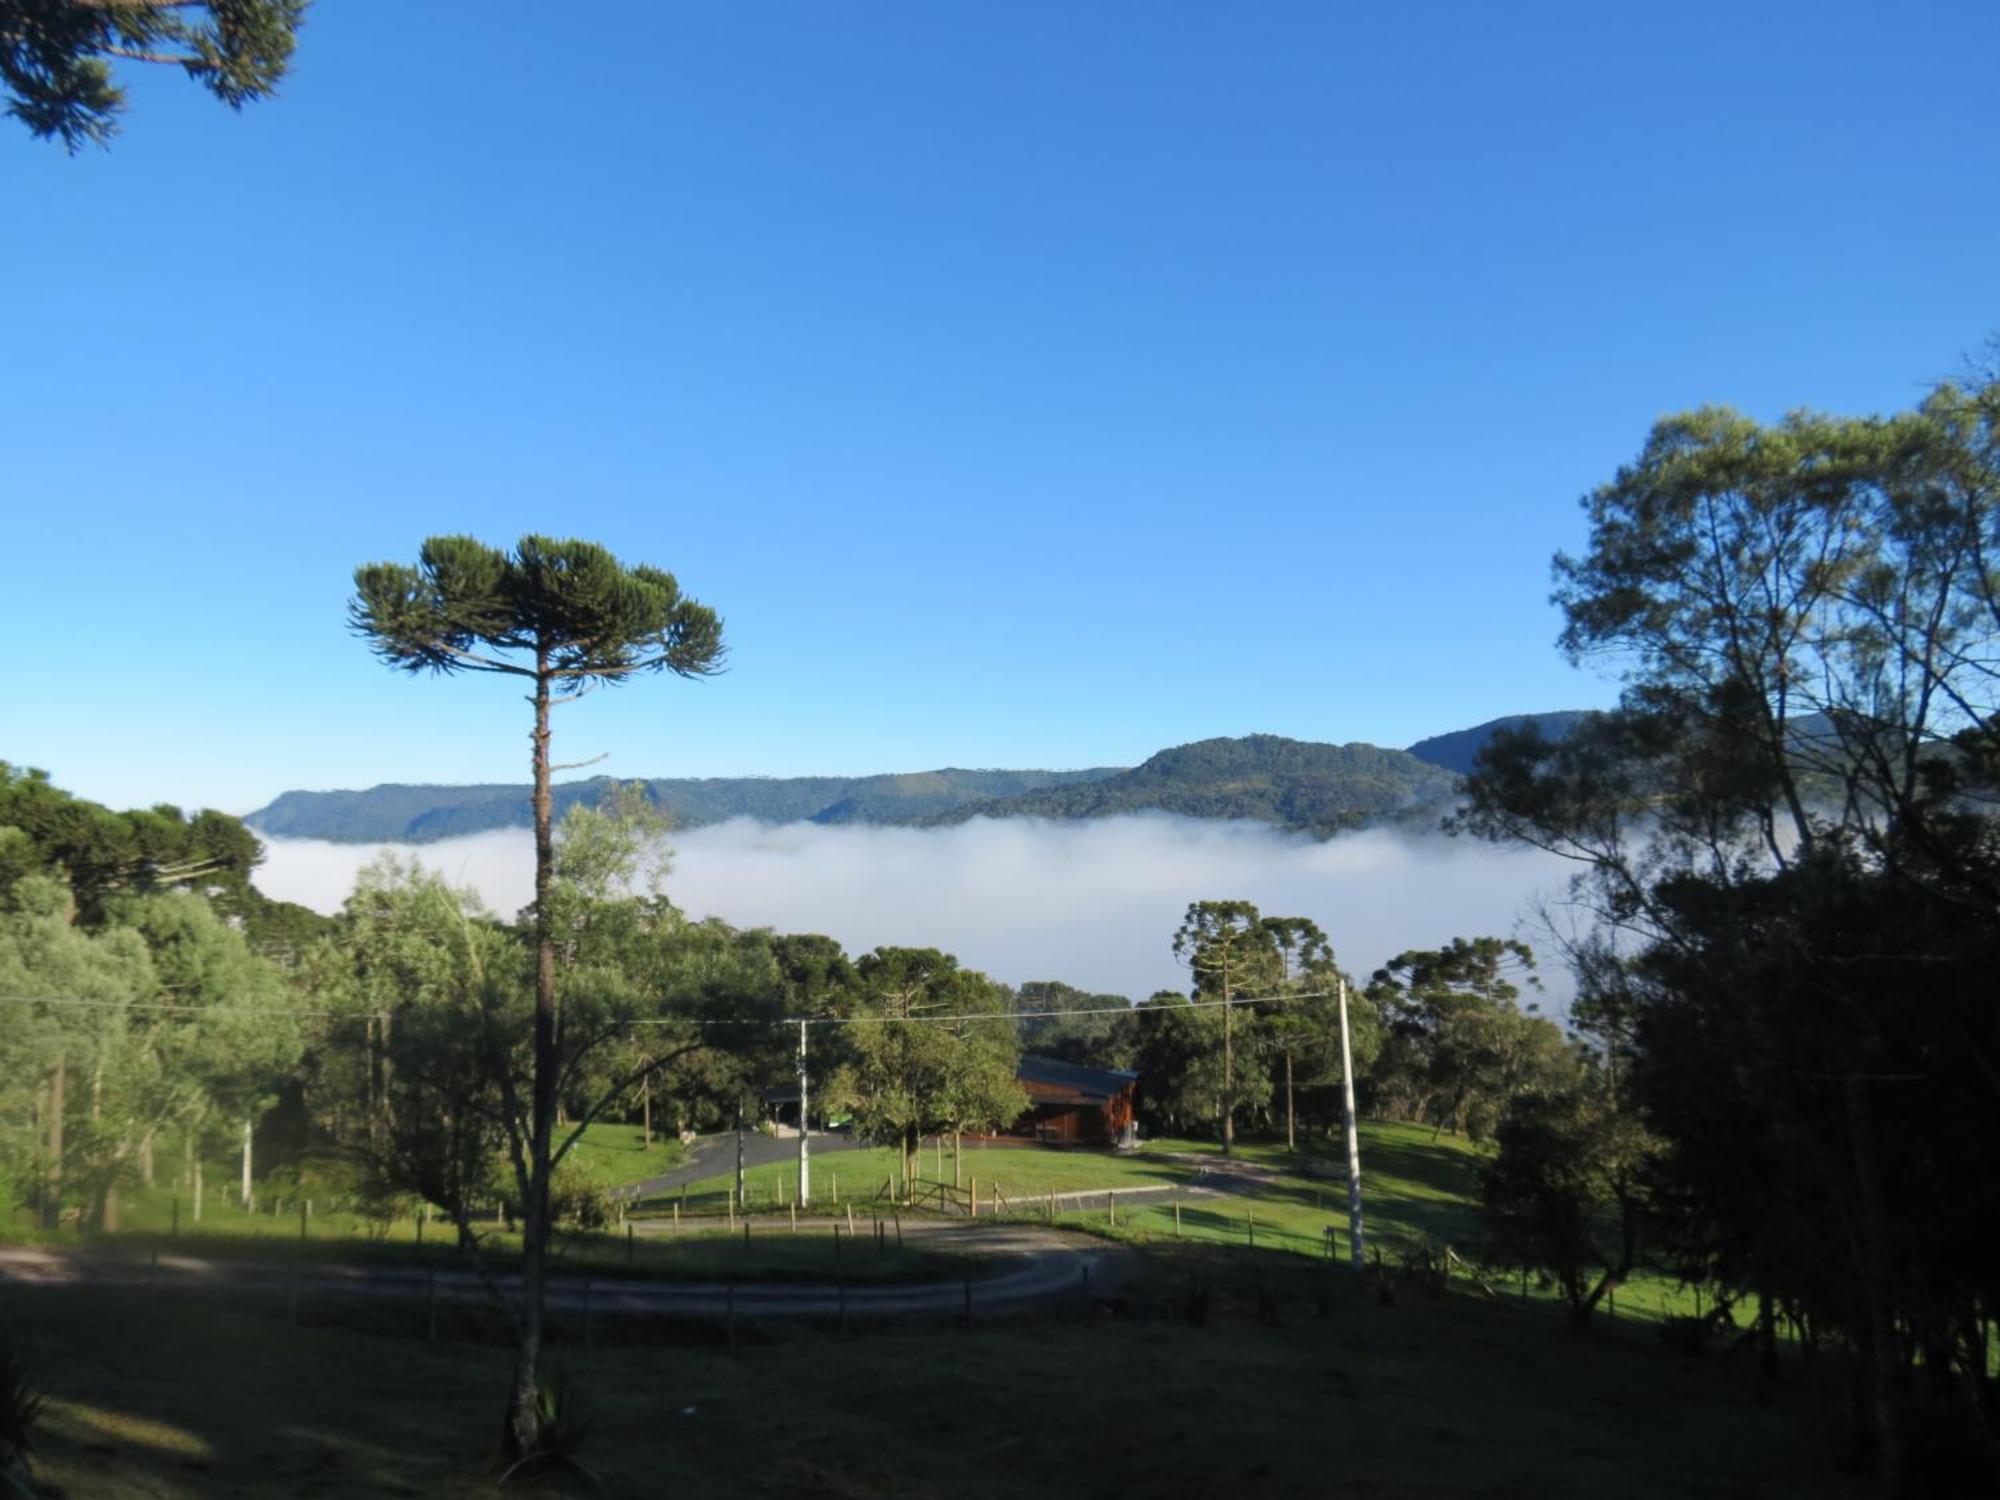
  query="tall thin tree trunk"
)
[
  {"x": 1228, "y": 1070},
  {"x": 1291, "y": 1134},
  {"x": 146, "y": 1159},
  {"x": 646, "y": 1111},
  {"x": 248, "y": 1196},
  {"x": 523, "y": 1428},
  {"x": 1879, "y": 1347},
  {"x": 52, "y": 1198}
]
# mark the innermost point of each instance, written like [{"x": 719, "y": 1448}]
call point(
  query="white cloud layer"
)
[{"x": 1093, "y": 903}]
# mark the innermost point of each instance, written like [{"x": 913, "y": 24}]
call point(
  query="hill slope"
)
[
  {"x": 1456, "y": 751},
  {"x": 398, "y": 813},
  {"x": 1298, "y": 784}
]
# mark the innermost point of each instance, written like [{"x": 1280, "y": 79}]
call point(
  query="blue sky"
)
[{"x": 1027, "y": 384}]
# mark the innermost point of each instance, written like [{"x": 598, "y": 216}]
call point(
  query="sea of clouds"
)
[{"x": 1092, "y": 903}]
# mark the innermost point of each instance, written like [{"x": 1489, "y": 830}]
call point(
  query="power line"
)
[{"x": 200, "y": 1011}]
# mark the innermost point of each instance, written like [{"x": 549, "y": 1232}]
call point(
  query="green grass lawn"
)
[
  {"x": 1019, "y": 1172},
  {"x": 1433, "y": 1396},
  {"x": 704, "y": 1251},
  {"x": 614, "y": 1156}
]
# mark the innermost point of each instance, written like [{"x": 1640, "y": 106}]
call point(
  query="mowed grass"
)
[
  {"x": 1419, "y": 1187},
  {"x": 1020, "y": 1173},
  {"x": 616, "y": 1155},
  {"x": 704, "y": 1251},
  {"x": 1432, "y": 1396}
]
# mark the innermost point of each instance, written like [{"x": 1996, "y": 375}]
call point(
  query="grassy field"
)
[
  {"x": 705, "y": 1250},
  {"x": 1431, "y": 1396},
  {"x": 1420, "y": 1188},
  {"x": 1021, "y": 1173},
  {"x": 614, "y": 1156}
]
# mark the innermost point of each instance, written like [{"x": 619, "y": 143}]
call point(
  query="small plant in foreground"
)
[{"x": 20, "y": 1409}]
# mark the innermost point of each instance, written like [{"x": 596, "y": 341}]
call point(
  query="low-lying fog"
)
[{"x": 1092, "y": 903}]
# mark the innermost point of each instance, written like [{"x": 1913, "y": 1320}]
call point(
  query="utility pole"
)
[
  {"x": 1356, "y": 1252},
  {"x": 805, "y": 1152},
  {"x": 739, "y": 1152}
]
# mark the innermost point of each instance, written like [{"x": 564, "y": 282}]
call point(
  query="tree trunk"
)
[
  {"x": 146, "y": 1159},
  {"x": 1878, "y": 1346},
  {"x": 248, "y": 1196},
  {"x": 523, "y": 1436},
  {"x": 1228, "y": 1070},
  {"x": 646, "y": 1111},
  {"x": 52, "y": 1195},
  {"x": 1291, "y": 1134}
]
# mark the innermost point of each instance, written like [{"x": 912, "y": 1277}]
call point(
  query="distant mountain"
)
[
  {"x": 1456, "y": 751},
  {"x": 423, "y": 814},
  {"x": 1299, "y": 784}
]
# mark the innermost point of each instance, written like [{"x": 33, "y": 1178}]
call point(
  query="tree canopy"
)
[
  {"x": 568, "y": 616},
  {"x": 1786, "y": 830},
  {"x": 57, "y": 56}
]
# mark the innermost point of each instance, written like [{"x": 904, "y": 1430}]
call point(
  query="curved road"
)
[
  {"x": 715, "y": 1156},
  {"x": 1046, "y": 1264}
]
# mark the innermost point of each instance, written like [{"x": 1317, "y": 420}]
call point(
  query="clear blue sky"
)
[{"x": 1027, "y": 384}]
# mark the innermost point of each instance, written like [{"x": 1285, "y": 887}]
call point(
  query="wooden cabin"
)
[{"x": 1071, "y": 1105}]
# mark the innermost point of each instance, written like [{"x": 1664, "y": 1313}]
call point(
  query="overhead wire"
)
[{"x": 199, "y": 1011}]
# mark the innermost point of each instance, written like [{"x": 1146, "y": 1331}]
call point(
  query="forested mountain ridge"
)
[
  {"x": 1457, "y": 751},
  {"x": 1299, "y": 784},
  {"x": 418, "y": 814}
]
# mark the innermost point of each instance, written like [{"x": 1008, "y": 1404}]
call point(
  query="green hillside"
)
[
  {"x": 420, "y": 814},
  {"x": 1297, "y": 784},
  {"x": 1302, "y": 785}
]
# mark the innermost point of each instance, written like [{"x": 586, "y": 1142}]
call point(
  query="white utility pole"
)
[
  {"x": 805, "y": 1153},
  {"x": 1357, "y": 1254}
]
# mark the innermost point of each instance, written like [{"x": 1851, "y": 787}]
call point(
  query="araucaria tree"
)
[
  {"x": 1232, "y": 952},
  {"x": 564, "y": 617},
  {"x": 56, "y": 56}
]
